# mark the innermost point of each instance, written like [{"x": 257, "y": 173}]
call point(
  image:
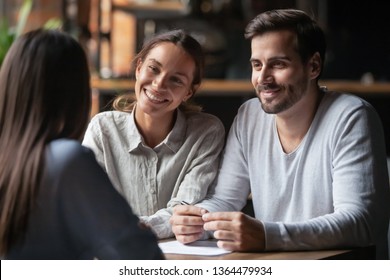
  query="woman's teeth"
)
[{"x": 153, "y": 97}]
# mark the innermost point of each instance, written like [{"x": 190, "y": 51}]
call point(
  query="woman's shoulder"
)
[
  {"x": 65, "y": 147},
  {"x": 109, "y": 117},
  {"x": 203, "y": 120},
  {"x": 62, "y": 154}
]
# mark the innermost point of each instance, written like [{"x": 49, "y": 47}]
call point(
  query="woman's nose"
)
[{"x": 159, "y": 82}]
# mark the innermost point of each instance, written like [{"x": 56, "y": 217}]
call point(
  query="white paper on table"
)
[{"x": 200, "y": 247}]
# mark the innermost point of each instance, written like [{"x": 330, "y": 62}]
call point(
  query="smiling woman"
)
[
  {"x": 156, "y": 147},
  {"x": 179, "y": 43},
  {"x": 163, "y": 82}
]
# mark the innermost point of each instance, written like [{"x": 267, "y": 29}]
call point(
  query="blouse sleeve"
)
[{"x": 200, "y": 173}]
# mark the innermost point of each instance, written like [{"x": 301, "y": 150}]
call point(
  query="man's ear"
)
[{"x": 315, "y": 64}]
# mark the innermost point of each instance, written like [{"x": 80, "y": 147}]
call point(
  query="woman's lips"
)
[{"x": 152, "y": 97}]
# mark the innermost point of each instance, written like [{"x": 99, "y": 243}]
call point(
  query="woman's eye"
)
[
  {"x": 153, "y": 68},
  {"x": 177, "y": 81}
]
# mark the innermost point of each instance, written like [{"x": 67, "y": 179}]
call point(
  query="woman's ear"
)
[
  {"x": 138, "y": 68},
  {"x": 315, "y": 64},
  {"x": 191, "y": 92},
  {"x": 188, "y": 95}
]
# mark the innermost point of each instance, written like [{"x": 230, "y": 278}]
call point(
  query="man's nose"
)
[{"x": 264, "y": 76}]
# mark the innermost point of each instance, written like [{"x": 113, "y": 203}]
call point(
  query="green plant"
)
[
  {"x": 6, "y": 39},
  {"x": 8, "y": 33}
]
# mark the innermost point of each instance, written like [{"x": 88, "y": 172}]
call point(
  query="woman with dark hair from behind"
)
[{"x": 55, "y": 200}]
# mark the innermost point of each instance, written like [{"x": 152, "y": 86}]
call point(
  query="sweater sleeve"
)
[{"x": 231, "y": 188}]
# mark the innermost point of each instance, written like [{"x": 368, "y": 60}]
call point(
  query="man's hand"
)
[
  {"x": 236, "y": 231},
  {"x": 187, "y": 223}
]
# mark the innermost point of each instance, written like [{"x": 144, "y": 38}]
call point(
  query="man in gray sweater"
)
[{"x": 313, "y": 160}]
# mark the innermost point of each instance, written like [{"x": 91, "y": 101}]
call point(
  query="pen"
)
[{"x": 184, "y": 203}]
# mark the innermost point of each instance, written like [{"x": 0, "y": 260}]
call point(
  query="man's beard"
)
[{"x": 294, "y": 95}]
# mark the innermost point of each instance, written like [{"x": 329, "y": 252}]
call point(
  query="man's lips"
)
[{"x": 267, "y": 90}]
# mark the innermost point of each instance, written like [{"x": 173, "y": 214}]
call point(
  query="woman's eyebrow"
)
[{"x": 160, "y": 64}]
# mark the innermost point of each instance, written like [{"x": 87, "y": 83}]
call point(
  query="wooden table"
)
[
  {"x": 299, "y": 255},
  {"x": 363, "y": 253}
]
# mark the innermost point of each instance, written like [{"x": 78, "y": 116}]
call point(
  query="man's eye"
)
[
  {"x": 256, "y": 65},
  {"x": 279, "y": 64}
]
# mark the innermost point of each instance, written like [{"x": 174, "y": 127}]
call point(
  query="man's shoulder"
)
[
  {"x": 340, "y": 110},
  {"x": 345, "y": 100},
  {"x": 253, "y": 102},
  {"x": 251, "y": 110},
  {"x": 339, "y": 106}
]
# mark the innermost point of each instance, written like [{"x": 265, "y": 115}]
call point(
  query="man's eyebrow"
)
[
  {"x": 272, "y": 58},
  {"x": 284, "y": 57}
]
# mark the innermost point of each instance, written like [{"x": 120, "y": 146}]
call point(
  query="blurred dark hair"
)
[{"x": 44, "y": 95}]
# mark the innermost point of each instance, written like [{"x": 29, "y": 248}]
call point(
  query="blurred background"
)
[
  {"x": 112, "y": 31},
  {"x": 358, "y": 32}
]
